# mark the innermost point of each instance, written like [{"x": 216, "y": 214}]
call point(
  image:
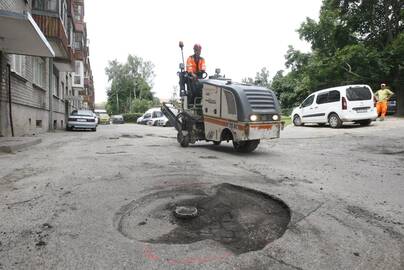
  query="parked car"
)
[
  {"x": 392, "y": 105},
  {"x": 349, "y": 103},
  {"x": 117, "y": 119},
  {"x": 104, "y": 118},
  {"x": 160, "y": 120},
  {"x": 96, "y": 118},
  {"x": 81, "y": 119},
  {"x": 148, "y": 115},
  {"x": 98, "y": 112}
]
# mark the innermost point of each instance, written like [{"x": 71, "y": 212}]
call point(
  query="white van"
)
[
  {"x": 349, "y": 103},
  {"x": 155, "y": 117}
]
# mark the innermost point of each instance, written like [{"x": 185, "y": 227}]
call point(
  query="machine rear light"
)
[{"x": 344, "y": 103}]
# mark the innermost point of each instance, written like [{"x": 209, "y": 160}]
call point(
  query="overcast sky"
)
[{"x": 239, "y": 37}]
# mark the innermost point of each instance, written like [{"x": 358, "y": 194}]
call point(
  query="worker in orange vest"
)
[
  {"x": 382, "y": 96},
  {"x": 196, "y": 68},
  {"x": 195, "y": 63}
]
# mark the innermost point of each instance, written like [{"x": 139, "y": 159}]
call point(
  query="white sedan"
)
[{"x": 82, "y": 119}]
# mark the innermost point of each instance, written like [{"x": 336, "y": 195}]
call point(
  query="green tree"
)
[
  {"x": 353, "y": 41},
  {"x": 130, "y": 81}
]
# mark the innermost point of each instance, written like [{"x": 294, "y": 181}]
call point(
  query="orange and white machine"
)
[{"x": 217, "y": 110}]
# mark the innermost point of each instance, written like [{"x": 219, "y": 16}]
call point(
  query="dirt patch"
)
[
  {"x": 132, "y": 136},
  {"x": 111, "y": 153},
  {"x": 240, "y": 219},
  {"x": 208, "y": 157}
]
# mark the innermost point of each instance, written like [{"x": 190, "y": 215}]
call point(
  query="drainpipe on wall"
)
[
  {"x": 50, "y": 94},
  {"x": 9, "y": 100},
  {"x": 1, "y": 87}
]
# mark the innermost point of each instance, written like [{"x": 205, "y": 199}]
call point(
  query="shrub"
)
[{"x": 131, "y": 117}]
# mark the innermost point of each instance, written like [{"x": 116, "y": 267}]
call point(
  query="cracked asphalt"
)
[{"x": 61, "y": 201}]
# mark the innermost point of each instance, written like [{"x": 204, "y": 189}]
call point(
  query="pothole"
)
[{"x": 240, "y": 219}]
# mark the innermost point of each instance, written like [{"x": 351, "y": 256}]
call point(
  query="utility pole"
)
[
  {"x": 130, "y": 101},
  {"x": 117, "y": 101}
]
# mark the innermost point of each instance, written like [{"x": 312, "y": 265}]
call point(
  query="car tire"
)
[
  {"x": 94, "y": 129},
  {"x": 366, "y": 122},
  {"x": 246, "y": 146},
  {"x": 217, "y": 142},
  {"x": 297, "y": 121},
  {"x": 321, "y": 124},
  {"x": 334, "y": 121}
]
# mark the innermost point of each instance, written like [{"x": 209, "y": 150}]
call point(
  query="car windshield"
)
[
  {"x": 358, "y": 93},
  {"x": 82, "y": 113}
]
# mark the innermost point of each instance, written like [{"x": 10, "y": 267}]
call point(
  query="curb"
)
[{"x": 18, "y": 145}]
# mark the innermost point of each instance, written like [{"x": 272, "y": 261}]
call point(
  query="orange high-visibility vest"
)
[{"x": 194, "y": 67}]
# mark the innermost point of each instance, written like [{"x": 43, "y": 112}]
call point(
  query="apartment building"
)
[{"x": 39, "y": 74}]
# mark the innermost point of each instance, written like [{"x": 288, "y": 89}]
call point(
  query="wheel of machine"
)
[
  {"x": 182, "y": 140},
  {"x": 297, "y": 121},
  {"x": 321, "y": 124},
  {"x": 366, "y": 122},
  {"x": 246, "y": 146},
  {"x": 94, "y": 129},
  {"x": 217, "y": 143},
  {"x": 334, "y": 121}
]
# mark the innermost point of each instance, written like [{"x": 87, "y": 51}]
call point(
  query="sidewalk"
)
[{"x": 13, "y": 144}]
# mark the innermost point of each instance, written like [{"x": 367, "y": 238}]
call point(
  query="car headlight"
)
[
  {"x": 275, "y": 117},
  {"x": 253, "y": 117}
]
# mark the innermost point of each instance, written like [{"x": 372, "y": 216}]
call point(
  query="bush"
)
[{"x": 131, "y": 117}]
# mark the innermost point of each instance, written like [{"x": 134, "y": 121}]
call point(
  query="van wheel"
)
[
  {"x": 297, "y": 121},
  {"x": 334, "y": 121},
  {"x": 217, "y": 143},
  {"x": 366, "y": 122},
  {"x": 246, "y": 146}
]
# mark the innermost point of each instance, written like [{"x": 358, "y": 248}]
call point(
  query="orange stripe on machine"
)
[{"x": 224, "y": 123}]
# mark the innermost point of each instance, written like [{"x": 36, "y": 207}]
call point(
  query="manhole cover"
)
[{"x": 241, "y": 219}]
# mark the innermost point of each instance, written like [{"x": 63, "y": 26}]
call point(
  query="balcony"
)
[
  {"x": 88, "y": 82},
  {"x": 79, "y": 55},
  {"x": 53, "y": 29}
]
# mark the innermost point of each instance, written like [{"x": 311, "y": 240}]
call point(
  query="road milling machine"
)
[{"x": 215, "y": 109}]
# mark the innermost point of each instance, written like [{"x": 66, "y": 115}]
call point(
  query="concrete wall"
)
[
  {"x": 26, "y": 120},
  {"x": 14, "y": 5}
]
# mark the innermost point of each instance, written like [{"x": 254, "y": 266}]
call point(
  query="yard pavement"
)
[{"x": 94, "y": 200}]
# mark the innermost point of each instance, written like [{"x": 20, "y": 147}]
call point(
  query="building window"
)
[
  {"x": 55, "y": 84},
  {"x": 49, "y": 5},
  {"x": 62, "y": 92},
  {"x": 64, "y": 15},
  {"x": 39, "y": 71},
  {"x": 78, "y": 75},
  {"x": 18, "y": 64},
  {"x": 78, "y": 40},
  {"x": 78, "y": 14}
]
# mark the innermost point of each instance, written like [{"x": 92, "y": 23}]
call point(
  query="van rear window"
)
[{"x": 358, "y": 93}]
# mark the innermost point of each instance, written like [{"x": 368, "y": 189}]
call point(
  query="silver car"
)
[{"x": 82, "y": 119}]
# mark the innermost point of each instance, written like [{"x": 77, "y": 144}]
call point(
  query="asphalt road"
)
[{"x": 93, "y": 200}]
